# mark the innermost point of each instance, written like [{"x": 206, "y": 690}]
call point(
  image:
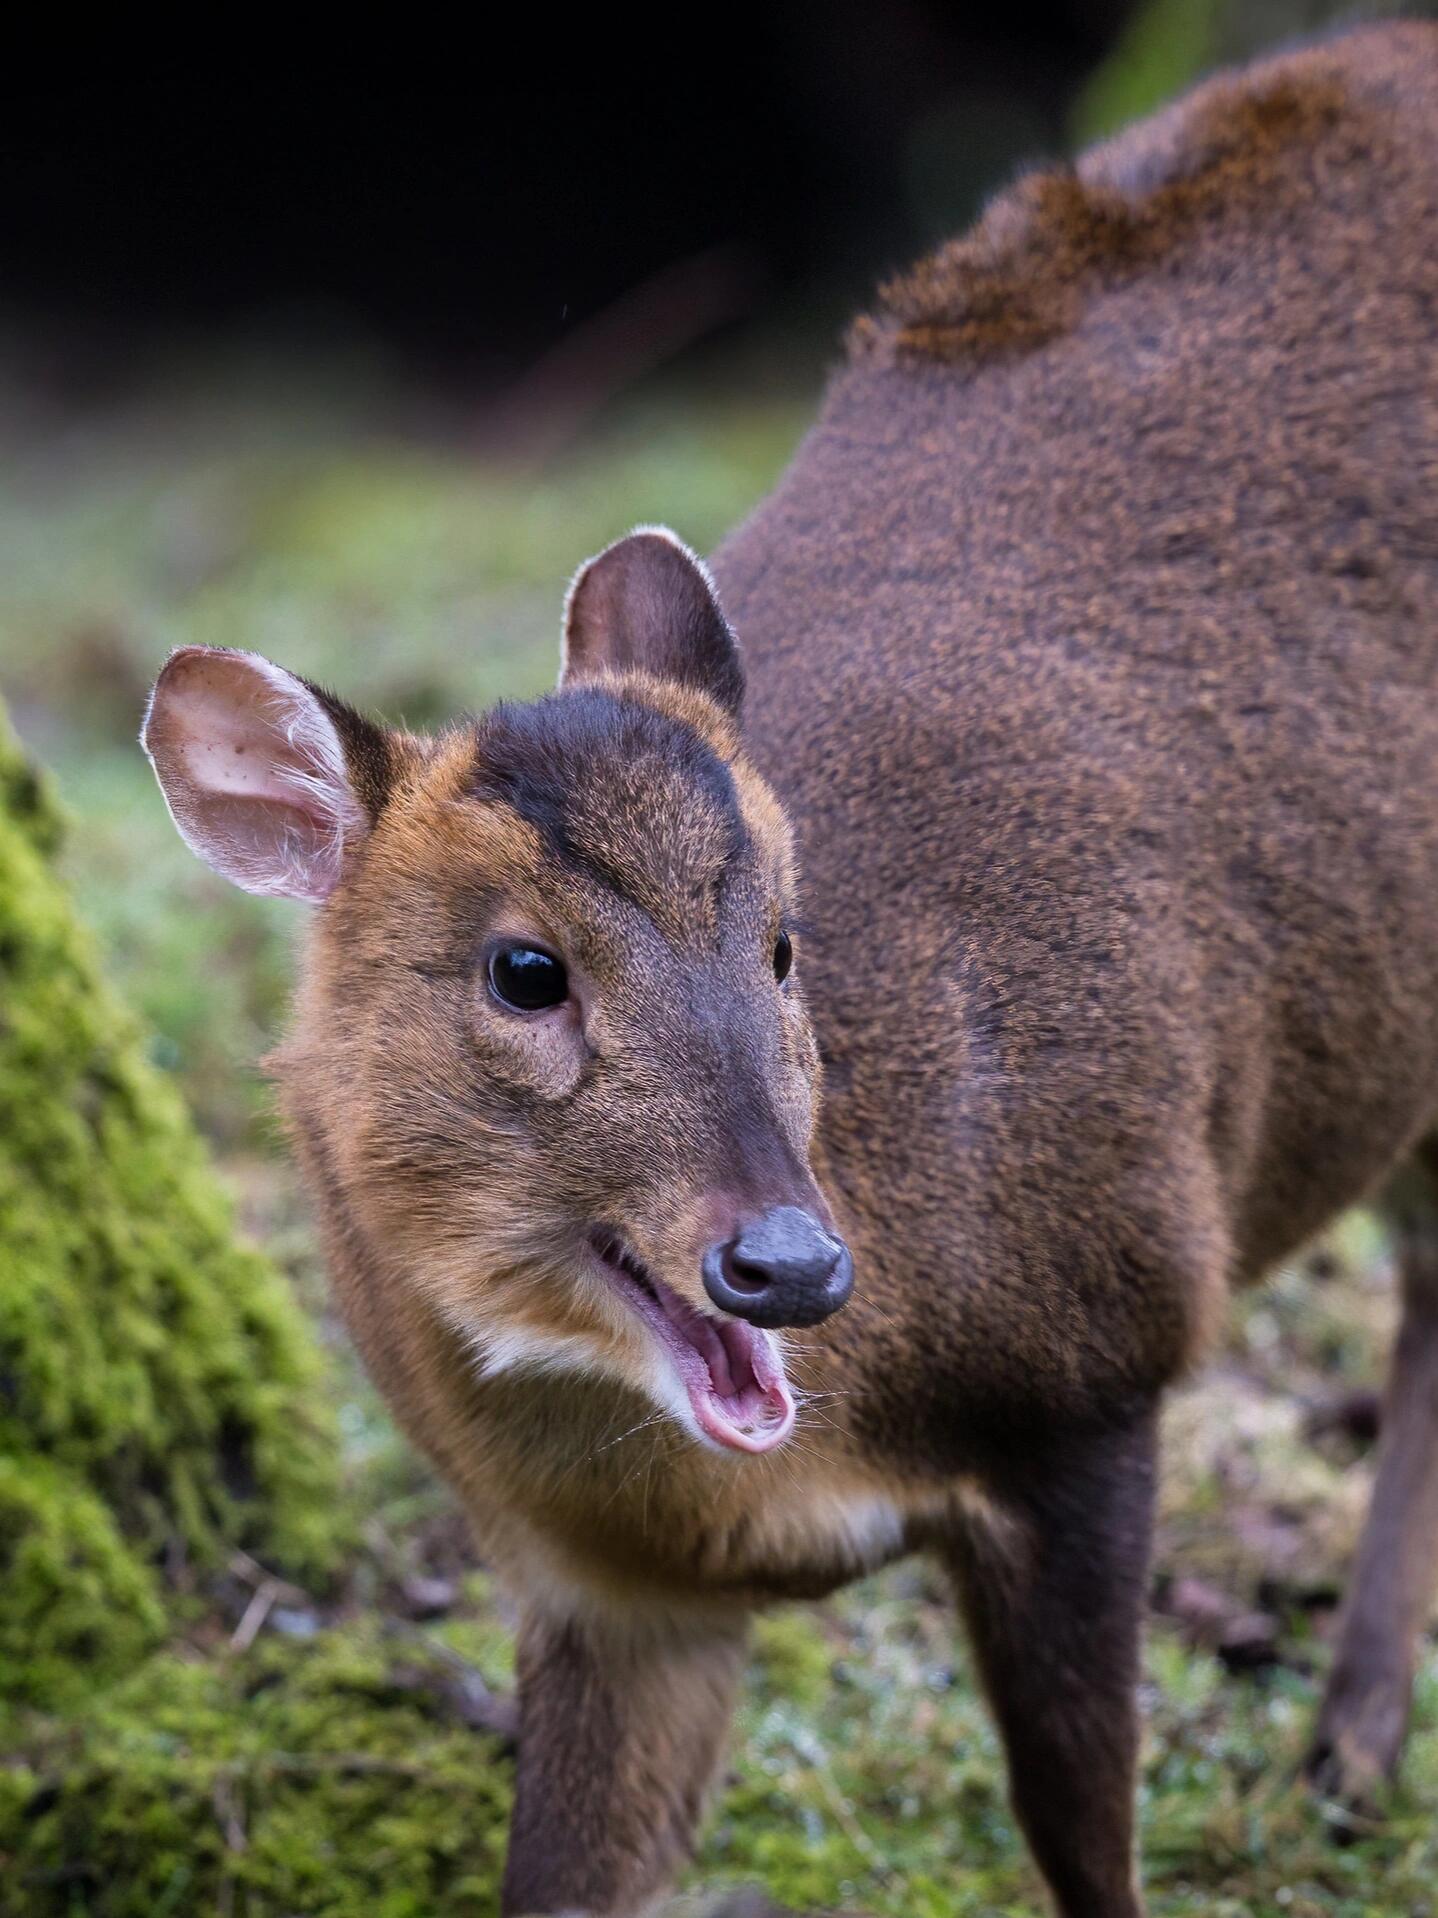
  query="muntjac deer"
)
[{"x": 1087, "y": 668}]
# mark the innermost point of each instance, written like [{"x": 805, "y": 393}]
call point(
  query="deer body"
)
[
  {"x": 1094, "y": 677},
  {"x": 1090, "y": 650}
]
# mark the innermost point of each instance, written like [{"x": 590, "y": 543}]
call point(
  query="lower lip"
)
[{"x": 758, "y": 1416}]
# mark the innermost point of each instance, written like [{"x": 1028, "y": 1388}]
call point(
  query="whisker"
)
[{"x": 652, "y": 1419}]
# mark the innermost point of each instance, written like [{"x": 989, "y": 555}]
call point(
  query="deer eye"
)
[
  {"x": 526, "y": 979},
  {"x": 783, "y": 956}
]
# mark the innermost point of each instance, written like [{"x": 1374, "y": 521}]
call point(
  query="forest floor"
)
[{"x": 420, "y": 578}]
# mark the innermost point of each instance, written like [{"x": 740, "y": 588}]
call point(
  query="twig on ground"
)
[{"x": 465, "y": 1692}]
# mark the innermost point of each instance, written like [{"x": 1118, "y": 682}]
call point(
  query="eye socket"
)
[
  {"x": 526, "y": 979},
  {"x": 783, "y": 956}
]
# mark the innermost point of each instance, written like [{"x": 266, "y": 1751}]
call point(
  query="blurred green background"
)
[{"x": 404, "y": 532}]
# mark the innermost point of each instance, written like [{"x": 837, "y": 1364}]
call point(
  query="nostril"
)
[{"x": 746, "y": 1275}]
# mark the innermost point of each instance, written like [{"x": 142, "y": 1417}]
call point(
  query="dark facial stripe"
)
[{"x": 631, "y": 796}]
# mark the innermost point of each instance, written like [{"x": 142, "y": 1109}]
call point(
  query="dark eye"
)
[
  {"x": 527, "y": 979},
  {"x": 783, "y": 956}
]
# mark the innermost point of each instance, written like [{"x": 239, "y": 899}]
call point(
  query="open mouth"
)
[{"x": 731, "y": 1371}]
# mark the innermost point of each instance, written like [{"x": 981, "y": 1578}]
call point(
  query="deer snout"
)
[{"x": 781, "y": 1269}]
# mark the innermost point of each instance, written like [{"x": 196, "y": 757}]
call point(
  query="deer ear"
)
[
  {"x": 269, "y": 780},
  {"x": 648, "y": 602}
]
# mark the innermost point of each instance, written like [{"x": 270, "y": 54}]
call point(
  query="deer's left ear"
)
[
  {"x": 271, "y": 781},
  {"x": 648, "y": 602}
]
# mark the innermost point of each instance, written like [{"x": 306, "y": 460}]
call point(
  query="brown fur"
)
[
  {"x": 1091, "y": 646},
  {"x": 1058, "y": 240}
]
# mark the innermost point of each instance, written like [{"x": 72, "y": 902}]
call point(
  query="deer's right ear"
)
[
  {"x": 648, "y": 601},
  {"x": 270, "y": 781}
]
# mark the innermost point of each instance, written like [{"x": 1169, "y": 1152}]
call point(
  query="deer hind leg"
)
[{"x": 1364, "y": 1718}]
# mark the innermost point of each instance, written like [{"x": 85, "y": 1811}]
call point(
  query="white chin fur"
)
[{"x": 519, "y": 1349}]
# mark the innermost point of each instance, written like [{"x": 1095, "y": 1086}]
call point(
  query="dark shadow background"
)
[
  {"x": 535, "y": 212},
  {"x": 469, "y": 212}
]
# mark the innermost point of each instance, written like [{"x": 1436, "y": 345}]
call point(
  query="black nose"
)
[{"x": 784, "y": 1269}]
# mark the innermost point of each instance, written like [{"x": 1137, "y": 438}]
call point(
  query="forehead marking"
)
[{"x": 631, "y": 796}]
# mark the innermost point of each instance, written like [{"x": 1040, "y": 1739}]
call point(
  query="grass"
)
[{"x": 287, "y": 1754}]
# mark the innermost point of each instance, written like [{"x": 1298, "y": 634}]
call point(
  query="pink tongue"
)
[
  {"x": 737, "y": 1389},
  {"x": 713, "y": 1348}
]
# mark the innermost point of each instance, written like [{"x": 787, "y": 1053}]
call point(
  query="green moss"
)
[
  {"x": 323, "y": 1777},
  {"x": 792, "y": 1660},
  {"x": 73, "y": 1596},
  {"x": 883, "y": 1789},
  {"x": 160, "y": 1396}
]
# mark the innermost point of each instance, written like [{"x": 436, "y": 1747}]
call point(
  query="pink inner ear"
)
[{"x": 253, "y": 772}]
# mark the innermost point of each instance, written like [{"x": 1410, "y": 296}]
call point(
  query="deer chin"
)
[{"x": 732, "y": 1372}]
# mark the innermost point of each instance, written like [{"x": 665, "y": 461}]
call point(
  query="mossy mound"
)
[
  {"x": 160, "y": 1391},
  {"x": 327, "y": 1777},
  {"x": 75, "y": 1595}
]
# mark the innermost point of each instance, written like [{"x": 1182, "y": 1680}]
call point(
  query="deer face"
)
[{"x": 552, "y": 1041}]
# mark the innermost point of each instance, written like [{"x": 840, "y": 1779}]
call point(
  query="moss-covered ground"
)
[
  {"x": 161, "y": 1398},
  {"x": 279, "y": 1743}
]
